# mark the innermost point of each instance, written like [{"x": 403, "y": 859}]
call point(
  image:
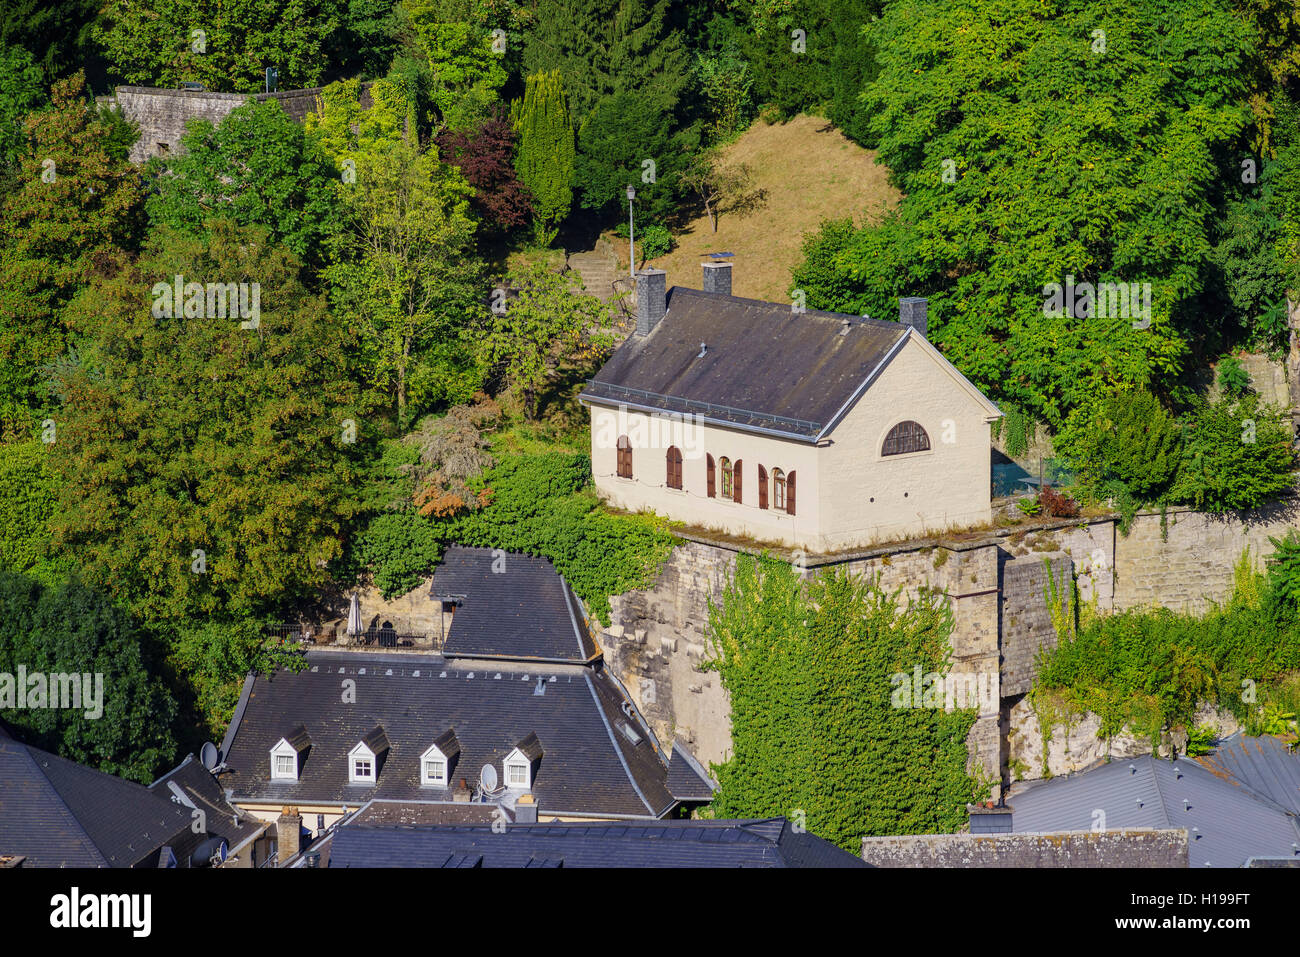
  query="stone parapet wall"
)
[{"x": 1136, "y": 847}]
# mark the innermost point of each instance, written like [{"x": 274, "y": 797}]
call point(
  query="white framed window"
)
[
  {"x": 361, "y": 765},
  {"x": 435, "y": 771},
  {"x": 284, "y": 761},
  {"x": 516, "y": 774}
]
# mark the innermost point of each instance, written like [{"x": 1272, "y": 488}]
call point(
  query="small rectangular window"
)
[
  {"x": 284, "y": 765},
  {"x": 517, "y": 774},
  {"x": 435, "y": 769},
  {"x": 361, "y": 768}
]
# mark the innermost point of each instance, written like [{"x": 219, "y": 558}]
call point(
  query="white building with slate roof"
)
[{"x": 811, "y": 429}]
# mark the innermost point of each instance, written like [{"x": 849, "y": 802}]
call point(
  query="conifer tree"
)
[{"x": 546, "y": 151}]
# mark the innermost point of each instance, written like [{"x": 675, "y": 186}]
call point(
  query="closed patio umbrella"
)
[{"x": 354, "y": 615}]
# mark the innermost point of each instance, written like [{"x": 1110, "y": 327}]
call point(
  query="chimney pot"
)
[
  {"x": 912, "y": 312},
  {"x": 288, "y": 828},
  {"x": 717, "y": 277},
  {"x": 651, "y": 299}
]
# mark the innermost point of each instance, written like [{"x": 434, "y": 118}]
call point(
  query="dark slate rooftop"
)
[
  {"x": 737, "y": 382},
  {"x": 587, "y": 767},
  {"x": 525, "y": 613},
  {"x": 687, "y": 779},
  {"x": 705, "y": 843},
  {"x": 61, "y": 814},
  {"x": 1227, "y": 824},
  {"x": 1265, "y": 765},
  {"x": 191, "y": 782}
]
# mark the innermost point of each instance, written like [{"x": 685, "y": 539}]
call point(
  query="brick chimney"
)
[
  {"x": 911, "y": 312},
  {"x": 717, "y": 277},
  {"x": 462, "y": 794},
  {"x": 287, "y": 829},
  {"x": 651, "y": 299}
]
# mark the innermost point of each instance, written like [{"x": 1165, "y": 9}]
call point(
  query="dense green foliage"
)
[
  {"x": 70, "y": 629},
  {"x": 1151, "y": 670},
  {"x": 258, "y": 168},
  {"x": 546, "y": 151},
  {"x": 29, "y": 497},
  {"x": 809, "y": 668},
  {"x": 988, "y": 116},
  {"x": 188, "y": 432},
  {"x": 539, "y": 505},
  {"x": 1236, "y": 455}
]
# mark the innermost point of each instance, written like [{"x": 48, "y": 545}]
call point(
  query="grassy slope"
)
[{"x": 811, "y": 173}]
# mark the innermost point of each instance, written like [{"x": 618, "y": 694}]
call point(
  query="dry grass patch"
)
[{"x": 811, "y": 173}]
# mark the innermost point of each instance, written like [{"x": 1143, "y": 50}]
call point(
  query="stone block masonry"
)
[
  {"x": 1135, "y": 847},
  {"x": 995, "y": 586},
  {"x": 163, "y": 115}
]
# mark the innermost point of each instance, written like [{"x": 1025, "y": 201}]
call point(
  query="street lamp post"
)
[{"x": 631, "y": 242}]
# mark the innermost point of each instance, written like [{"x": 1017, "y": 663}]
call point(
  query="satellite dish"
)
[
  {"x": 209, "y": 755},
  {"x": 488, "y": 778}
]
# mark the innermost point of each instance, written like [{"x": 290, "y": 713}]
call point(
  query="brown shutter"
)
[
  {"x": 789, "y": 494},
  {"x": 711, "y": 481},
  {"x": 762, "y": 487},
  {"x": 735, "y": 481},
  {"x": 669, "y": 456}
]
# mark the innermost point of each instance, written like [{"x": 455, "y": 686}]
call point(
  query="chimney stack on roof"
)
[
  {"x": 911, "y": 312},
  {"x": 717, "y": 277},
  {"x": 288, "y": 827},
  {"x": 651, "y": 299}
]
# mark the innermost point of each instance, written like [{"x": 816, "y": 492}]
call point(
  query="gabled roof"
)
[
  {"x": 298, "y": 739},
  {"x": 588, "y": 767},
  {"x": 62, "y": 814},
  {"x": 1227, "y": 824},
  {"x": 521, "y": 611},
  {"x": 764, "y": 367},
  {"x": 191, "y": 781},
  {"x": 376, "y": 740},
  {"x": 1266, "y": 765},
  {"x": 447, "y": 743},
  {"x": 687, "y": 779},
  {"x": 530, "y": 747},
  {"x": 704, "y": 843}
]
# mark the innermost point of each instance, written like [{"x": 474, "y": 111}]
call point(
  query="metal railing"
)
[
  {"x": 372, "y": 637},
  {"x": 705, "y": 407}
]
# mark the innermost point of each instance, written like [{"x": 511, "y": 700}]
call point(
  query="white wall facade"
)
[{"x": 847, "y": 494}]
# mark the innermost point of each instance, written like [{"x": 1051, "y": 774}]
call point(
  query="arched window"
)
[
  {"x": 762, "y": 486},
  {"x": 674, "y": 467},
  {"x": 726, "y": 477},
  {"x": 711, "y": 477},
  {"x": 736, "y": 472},
  {"x": 624, "y": 457},
  {"x": 778, "y": 489},
  {"x": 905, "y": 437}
]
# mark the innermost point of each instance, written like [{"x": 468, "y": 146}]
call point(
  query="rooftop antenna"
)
[{"x": 209, "y": 756}]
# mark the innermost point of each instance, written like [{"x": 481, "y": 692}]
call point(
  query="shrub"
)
[
  {"x": 1057, "y": 504},
  {"x": 1236, "y": 455}
]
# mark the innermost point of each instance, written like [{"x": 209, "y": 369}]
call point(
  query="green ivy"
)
[{"x": 809, "y": 669}]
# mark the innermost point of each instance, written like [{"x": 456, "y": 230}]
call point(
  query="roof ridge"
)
[
  {"x": 1160, "y": 794},
  {"x": 63, "y": 805},
  {"x": 815, "y": 313}
]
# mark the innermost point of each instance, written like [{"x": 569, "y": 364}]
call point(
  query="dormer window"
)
[
  {"x": 366, "y": 758},
  {"x": 436, "y": 763},
  {"x": 289, "y": 754},
  {"x": 521, "y": 764}
]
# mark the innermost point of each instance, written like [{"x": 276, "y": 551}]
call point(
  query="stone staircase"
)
[{"x": 598, "y": 268}]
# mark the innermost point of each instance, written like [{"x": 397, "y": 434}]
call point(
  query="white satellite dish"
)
[
  {"x": 209, "y": 755},
  {"x": 487, "y": 778}
]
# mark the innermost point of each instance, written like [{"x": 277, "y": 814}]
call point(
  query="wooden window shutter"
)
[
  {"x": 711, "y": 478},
  {"x": 674, "y": 467},
  {"x": 762, "y": 487},
  {"x": 736, "y": 472},
  {"x": 789, "y": 494}
]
